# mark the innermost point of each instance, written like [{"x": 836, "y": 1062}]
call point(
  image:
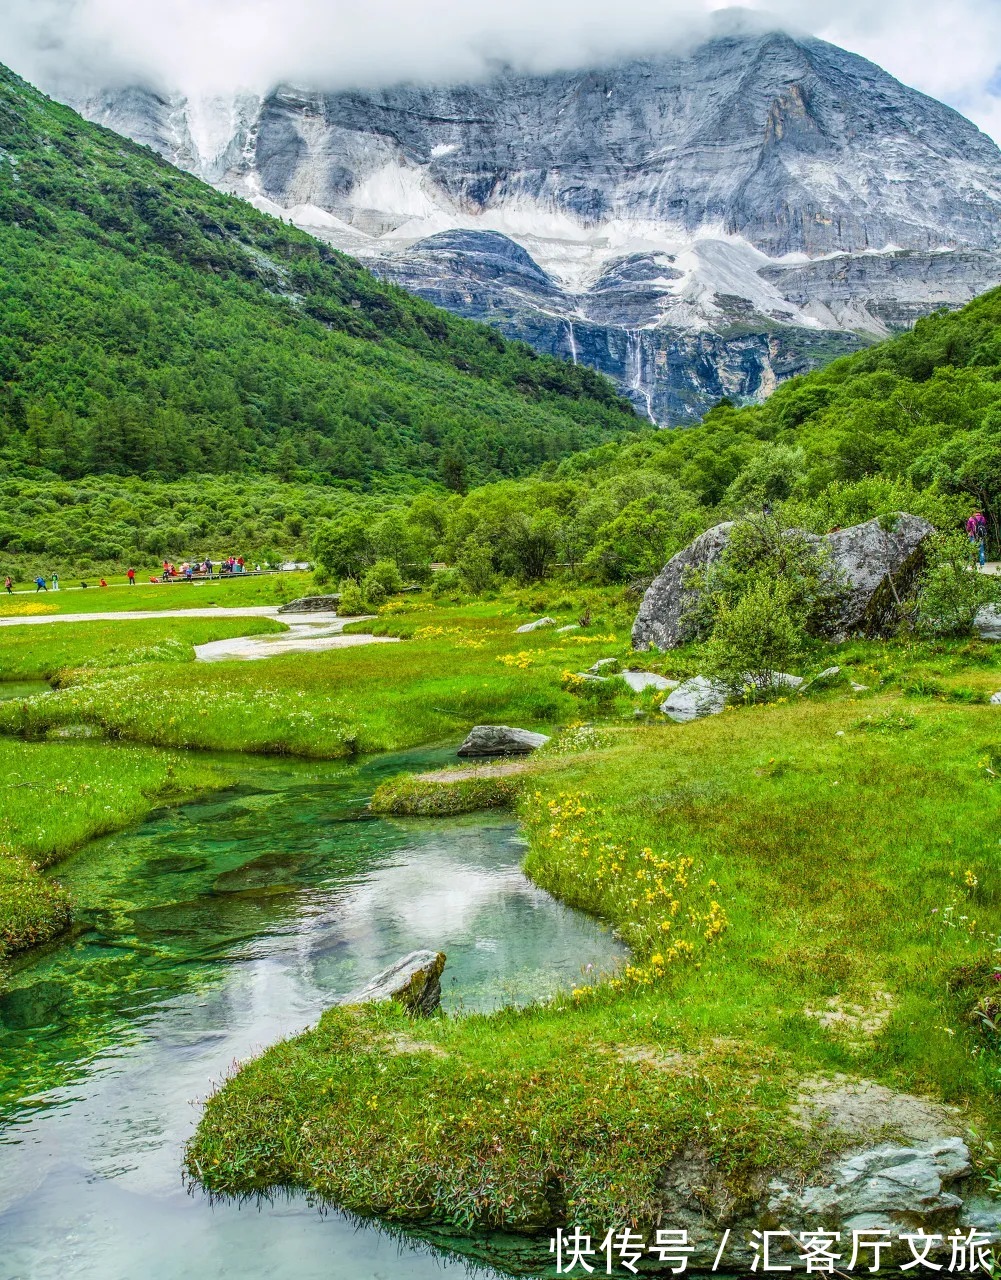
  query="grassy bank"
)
[
  {"x": 800, "y": 884},
  {"x": 65, "y": 648},
  {"x": 459, "y": 665},
  {"x": 53, "y": 798},
  {"x": 118, "y": 595}
]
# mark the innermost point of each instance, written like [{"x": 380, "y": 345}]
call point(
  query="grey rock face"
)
[
  {"x": 694, "y": 699},
  {"x": 312, "y": 604},
  {"x": 414, "y": 982},
  {"x": 661, "y": 617},
  {"x": 987, "y": 623},
  {"x": 863, "y": 560},
  {"x": 881, "y": 1183},
  {"x": 501, "y": 740},
  {"x": 537, "y": 625},
  {"x": 634, "y": 217}
]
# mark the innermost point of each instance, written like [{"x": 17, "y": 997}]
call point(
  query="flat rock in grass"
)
[
  {"x": 640, "y": 680},
  {"x": 501, "y": 740},
  {"x": 601, "y": 664},
  {"x": 996, "y": 699},
  {"x": 414, "y": 982},
  {"x": 537, "y": 625},
  {"x": 591, "y": 677},
  {"x": 826, "y": 676},
  {"x": 783, "y": 680},
  {"x": 987, "y": 623},
  {"x": 572, "y": 626},
  {"x": 694, "y": 699}
]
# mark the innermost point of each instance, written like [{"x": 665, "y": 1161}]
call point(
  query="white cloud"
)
[{"x": 950, "y": 50}]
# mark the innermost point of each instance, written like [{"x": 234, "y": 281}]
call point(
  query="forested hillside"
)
[{"x": 150, "y": 326}]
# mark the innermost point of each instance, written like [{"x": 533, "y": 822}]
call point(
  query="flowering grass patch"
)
[
  {"x": 429, "y": 798},
  {"x": 435, "y": 685},
  {"x": 763, "y": 864},
  {"x": 90, "y": 647},
  {"x": 53, "y": 798}
]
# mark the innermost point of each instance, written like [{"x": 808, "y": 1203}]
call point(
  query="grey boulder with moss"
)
[
  {"x": 501, "y": 740},
  {"x": 871, "y": 564},
  {"x": 414, "y": 982}
]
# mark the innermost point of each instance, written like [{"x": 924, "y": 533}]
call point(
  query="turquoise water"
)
[
  {"x": 201, "y": 937},
  {"x": 10, "y": 689}
]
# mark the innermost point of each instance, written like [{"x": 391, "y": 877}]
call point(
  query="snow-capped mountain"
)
[{"x": 695, "y": 225}]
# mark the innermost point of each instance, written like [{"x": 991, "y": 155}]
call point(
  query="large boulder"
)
[
  {"x": 871, "y": 565},
  {"x": 501, "y": 740},
  {"x": 694, "y": 699},
  {"x": 312, "y": 604},
  {"x": 414, "y": 982},
  {"x": 987, "y": 623}
]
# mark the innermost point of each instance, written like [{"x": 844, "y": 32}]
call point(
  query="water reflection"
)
[{"x": 208, "y": 933}]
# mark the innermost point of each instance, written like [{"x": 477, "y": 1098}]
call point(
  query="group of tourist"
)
[{"x": 203, "y": 569}]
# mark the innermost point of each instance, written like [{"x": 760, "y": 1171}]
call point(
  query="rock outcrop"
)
[
  {"x": 312, "y": 604},
  {"x": 414, "y": 982},
  {"x": 695, "y": 224},
  {"x": 871, "y": 565},
  {"x": 987, "y": 623},
  {"x": 501, "y": 740}
]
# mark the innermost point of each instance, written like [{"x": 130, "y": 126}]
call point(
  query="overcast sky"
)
[{"x": 950, "y": 50}]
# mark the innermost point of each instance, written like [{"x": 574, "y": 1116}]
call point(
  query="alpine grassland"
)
[
  {"x": 56, "y": 796},
  {"x": 800, "y": 883},
  {"x": 460, "y": 665},
  {"x": 56, "y": 650}
]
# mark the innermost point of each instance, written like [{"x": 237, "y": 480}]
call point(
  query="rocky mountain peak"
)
[{"x": 697, "y": 224}]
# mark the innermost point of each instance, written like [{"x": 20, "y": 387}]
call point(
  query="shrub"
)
[
  {"x": 754, "y": 639},
  {"x": 761, "y": 552},
  {"x": 352, "y": 599},
  {"x": 384, "y": 575},
  {"x": 952, "y": 590},
  {"x": 475, "y": 566}
]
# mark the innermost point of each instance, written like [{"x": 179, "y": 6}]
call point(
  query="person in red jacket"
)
[{"x": 131, "y": 575}]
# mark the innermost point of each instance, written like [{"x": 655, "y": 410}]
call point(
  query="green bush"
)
[
  {"x": 382, "y": 580},
  {"x": 952, "y": 589},
  {"x": 352, "y": 598},
  {"x": 762, "y": 552},
  {"x": 754, "y": 639}
]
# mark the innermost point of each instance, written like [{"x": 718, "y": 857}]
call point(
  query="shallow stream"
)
[{"x": 211, "y": 931}]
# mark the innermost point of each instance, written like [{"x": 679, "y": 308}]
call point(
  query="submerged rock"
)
[
  {"x": 414, "y": 982},
  {"x": 537, "y": 625},
  {"x": 501, "y": 740},
  {"x": 869, "y": 564}
]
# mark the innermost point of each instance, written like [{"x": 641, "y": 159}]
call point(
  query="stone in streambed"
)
[
  {"x": 312, "y": 604},
  {"x": 414, "y": 982},
  {"x": 501, "y": 740}
]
